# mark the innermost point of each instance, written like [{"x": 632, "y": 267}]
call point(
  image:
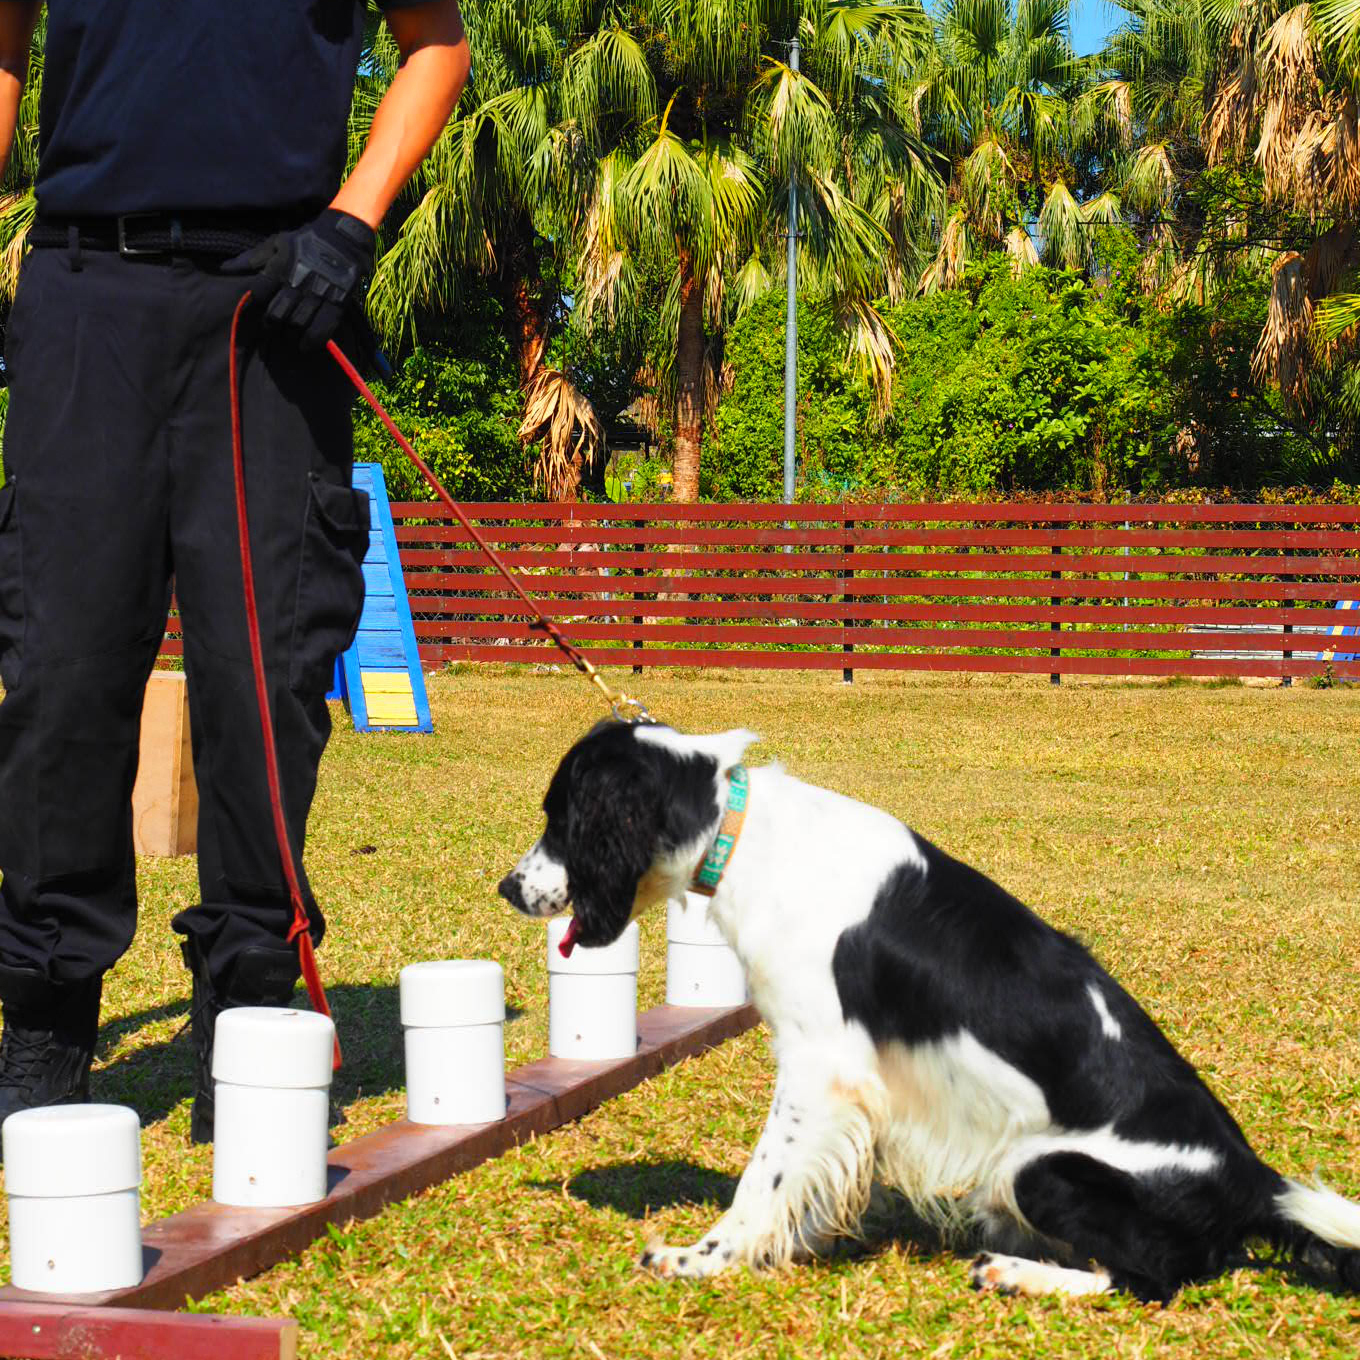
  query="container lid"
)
[
  {"x": 64, "y": 1150},
  {"x": 619, "y": 957},
  {"x": 270, "y": 1046},
  {"x": 688, "y": 922},
  {"x": 452, "y": 992}
]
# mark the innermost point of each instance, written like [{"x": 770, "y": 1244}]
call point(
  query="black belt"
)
[{"x": 137, "y": 235}]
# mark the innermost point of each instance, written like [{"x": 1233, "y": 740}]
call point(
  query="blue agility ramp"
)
[
  {"x": 1347, "y": 630},
  {"x": 379, "y": 677}
]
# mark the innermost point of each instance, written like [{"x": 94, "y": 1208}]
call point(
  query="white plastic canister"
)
[
  {"x": 592, "y": 997},
  {"x": 454, "y": 1017},
  {"x": 702, "y": 969},
  {"x": 272, "y": 1077},
  {"x": 73, "y": 1175}
]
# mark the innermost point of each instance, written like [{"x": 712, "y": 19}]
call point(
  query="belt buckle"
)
[{"x": 133, "y": 252}]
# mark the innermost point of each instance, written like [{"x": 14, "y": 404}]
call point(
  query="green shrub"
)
[
  {"x": 1039, "y": 383},
  {"x": 456, "y": 398}
]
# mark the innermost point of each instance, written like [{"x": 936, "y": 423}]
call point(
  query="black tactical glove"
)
[{"x": 311, "y": 275}]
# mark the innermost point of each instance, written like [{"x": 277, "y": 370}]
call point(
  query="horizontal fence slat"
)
[
  {"x": 917, "y": 661},
  {"x": 531, "y": 560},
  {"x": 662, "y": 536},
  {"x": 904, "y": 512},
  {"x": 1097, "y": 639},
  {"x": 639, "y": 587},
  {"x": 510, "y": 607}
]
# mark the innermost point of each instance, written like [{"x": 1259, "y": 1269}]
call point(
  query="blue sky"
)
[{"x": 1092, "y": 21}]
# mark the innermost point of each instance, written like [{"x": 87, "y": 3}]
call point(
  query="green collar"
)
[{"x": 709, "y": 873}]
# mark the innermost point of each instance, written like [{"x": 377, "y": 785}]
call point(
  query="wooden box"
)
[{"x": 165, "y": 799}]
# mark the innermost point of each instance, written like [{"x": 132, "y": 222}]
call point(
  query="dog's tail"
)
[{"x": 1320, "y": 1227}]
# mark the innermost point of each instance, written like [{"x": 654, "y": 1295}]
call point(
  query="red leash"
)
[
  {"x": 300, "y": 930},
  {"x": 623, "y": 706}
]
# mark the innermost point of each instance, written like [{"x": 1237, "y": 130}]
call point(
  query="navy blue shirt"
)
[{"x": 166, "y": 104}]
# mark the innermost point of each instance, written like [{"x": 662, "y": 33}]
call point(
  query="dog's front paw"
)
[{"x": 707, "y": 1257}]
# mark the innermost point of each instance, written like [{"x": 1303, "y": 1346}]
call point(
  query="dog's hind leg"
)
[
  {"x": 808, "y": 1181},
  {"x": 1145, "y": 1232}
]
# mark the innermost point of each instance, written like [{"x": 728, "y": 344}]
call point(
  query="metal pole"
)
[{"x": 791, "y": 324}]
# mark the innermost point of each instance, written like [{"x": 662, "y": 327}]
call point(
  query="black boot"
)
[
  {"x": 260, "y": 976},
  {"x": 48, "y": 1043}
]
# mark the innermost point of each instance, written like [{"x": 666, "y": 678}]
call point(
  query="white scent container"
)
[
  {"x": 272, "y": 1078},
  {"x": 592, "y": 997},
  {"x": 702, "y": 969},
  {"x": 453, "y": 1013},
  {"x": 73, "y": 1174}
]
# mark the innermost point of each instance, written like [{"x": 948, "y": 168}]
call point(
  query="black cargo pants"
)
[{"x": 118, "y": 478}]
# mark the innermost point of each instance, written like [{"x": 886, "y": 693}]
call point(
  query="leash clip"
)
[{"x": 632, "y": 711}]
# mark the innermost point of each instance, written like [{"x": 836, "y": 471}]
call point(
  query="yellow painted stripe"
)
[{"x": 389, "y": 698}]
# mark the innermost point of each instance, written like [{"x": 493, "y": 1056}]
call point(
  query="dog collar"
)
[{"x": 709, "y": 873}]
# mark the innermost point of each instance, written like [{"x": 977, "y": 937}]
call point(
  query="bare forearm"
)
[
  {"x": 16, "y": 32},
  {"x": 414, "y": 110}
]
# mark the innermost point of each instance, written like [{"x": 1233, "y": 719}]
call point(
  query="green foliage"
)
[
  {"x": 1042, "y": 382},
  {"x": 456, "y": 398}
]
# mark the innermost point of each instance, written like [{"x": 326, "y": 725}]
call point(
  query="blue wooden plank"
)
[
  {"x": 386, "y": 637},
  {"x": 377, "y": 578},
  {"x": 380, "y": 650}
]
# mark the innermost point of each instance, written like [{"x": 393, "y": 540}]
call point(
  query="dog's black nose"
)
[{"x": 509, "y": 888}]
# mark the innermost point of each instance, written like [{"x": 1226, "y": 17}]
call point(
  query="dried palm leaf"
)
[
  {"x": 1282, "y": 350},
  {"x": 570, "y": 432}
]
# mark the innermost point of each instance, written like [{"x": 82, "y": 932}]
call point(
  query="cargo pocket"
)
[
  {"x": 11, "y": 588},
  {"x": 330, "y": 582}
]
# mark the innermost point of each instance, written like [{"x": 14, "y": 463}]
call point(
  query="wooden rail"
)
[
  {"x": 209, "y": 1246},
  {"x": 1157, "y": 590}
]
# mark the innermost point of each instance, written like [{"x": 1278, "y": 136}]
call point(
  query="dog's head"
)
[{"x": 630, "y": 808}]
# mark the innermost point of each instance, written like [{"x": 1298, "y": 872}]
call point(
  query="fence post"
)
[
  {"x": 638, "y": 619},
  {"x": 1287, "y": 680},
  {"x": 848, "y": 673},
  {"x": 1055, "y": 677}
]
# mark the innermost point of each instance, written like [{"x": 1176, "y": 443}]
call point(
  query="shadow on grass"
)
[
  {"x": 156, "y": 1077},
  {"x": 638, "y": 1189}
]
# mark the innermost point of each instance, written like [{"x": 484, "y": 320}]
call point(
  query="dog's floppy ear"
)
[{"x": 613, "y": 827}]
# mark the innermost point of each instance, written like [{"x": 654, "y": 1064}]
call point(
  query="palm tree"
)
[
  {"x": 1282, "y": 109},
  {"x": 1001, "y": 98},
  {"x": 478, "y": 207},
  {"x": 699, "y": 191},
  {"x": 656, "y": 141}
]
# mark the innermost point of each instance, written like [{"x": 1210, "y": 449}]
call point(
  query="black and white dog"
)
[{"x": 931, "y": 1033}]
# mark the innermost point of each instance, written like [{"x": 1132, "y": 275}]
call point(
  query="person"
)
[{"x": 187, "y": 153}]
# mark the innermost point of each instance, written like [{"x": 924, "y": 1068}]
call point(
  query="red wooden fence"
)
[{"x": 1214, "y": 590}]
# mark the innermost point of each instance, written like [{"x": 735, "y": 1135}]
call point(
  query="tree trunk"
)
[
  {"x": 527, "y": 325},
  {"x": 689, "y": 383}
]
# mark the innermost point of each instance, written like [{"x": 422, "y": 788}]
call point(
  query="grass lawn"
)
[{"x": 1201, "y": 839}]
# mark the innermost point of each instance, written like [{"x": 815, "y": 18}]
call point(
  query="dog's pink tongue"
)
[{"x": 568, "y": 940}]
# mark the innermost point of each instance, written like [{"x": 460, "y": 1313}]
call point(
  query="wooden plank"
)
[
  {"x": 165, "y": 796},
  {"x": 901, "y": 512},
  {"x": 54, "y": 1331},
  {"x": 981, "y": 562},
  {"x": 1329, "y": 540},
  {"x": 912, "y": 661},
  {"x": 487, "y": 583},
  {"x": 440, "y": 614},
  {"x": 209, "y": 1246},
  {"x": 776, "y": 634}
]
